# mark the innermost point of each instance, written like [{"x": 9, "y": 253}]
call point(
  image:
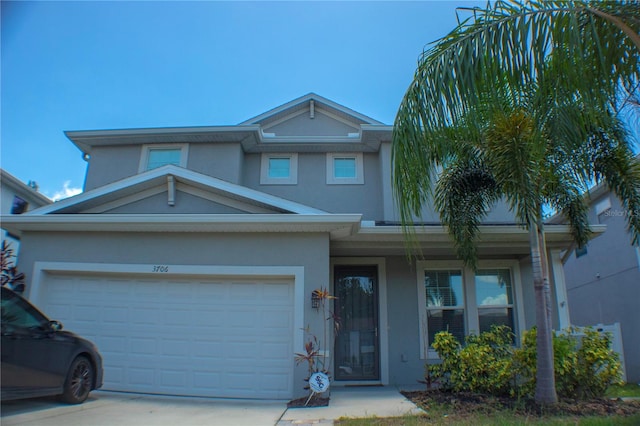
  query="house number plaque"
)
[{"x": 160, "y": 268}]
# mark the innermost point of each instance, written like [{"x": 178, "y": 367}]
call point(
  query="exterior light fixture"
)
[{"x": 315, "y": 300}]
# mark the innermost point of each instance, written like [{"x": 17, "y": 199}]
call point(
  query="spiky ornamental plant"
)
[
  {"x": 10, "y": 277},
  {"x": 314, "y": 349},
  {"x": 522, "y": 102}
]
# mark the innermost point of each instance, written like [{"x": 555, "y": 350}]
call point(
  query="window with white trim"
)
[
  {"x": 454, "y": 298},
  {"x": 494, "y": 297},
  {"x": 445, "y": 302},
  {"x": 603, "y": 209},
  {"x": 154, "y": 156},
  {"x": 279, "y": 169},
  {"x": 345, "y": 168}
]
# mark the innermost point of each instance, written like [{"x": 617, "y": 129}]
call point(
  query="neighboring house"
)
[
  {"x": 603, "y": 279},
  {"x": 17, "y": 198},
  {"x": 192, "y": 255}
]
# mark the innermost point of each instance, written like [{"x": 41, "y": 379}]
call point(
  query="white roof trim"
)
[
  {"x": 185, "y": 174},
  {"x": 306, "y": 98},
  {"x": 556, "y": 235},
  {"x": 338, "y": 225}
]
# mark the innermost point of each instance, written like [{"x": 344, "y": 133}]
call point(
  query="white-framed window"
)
[
  {"x": 154, "y": 156},
  {"x": 494, "y": 298},
  {"x": 455, "y": 298},
  {"x": 602, "y": 207},
  {"x": 345, "y": 168},
  {"x": 444, "y": 292},
  {"x": 279, "y": 169}
]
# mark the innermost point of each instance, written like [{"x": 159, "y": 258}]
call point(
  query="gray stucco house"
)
[
  {"x": 192, "y": 255},
  {"x": 603, "y": 279}
]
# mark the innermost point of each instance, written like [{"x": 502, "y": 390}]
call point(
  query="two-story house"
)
[
  {"x": 603, "y": 278},
  {"x": 192, "y": 255}
]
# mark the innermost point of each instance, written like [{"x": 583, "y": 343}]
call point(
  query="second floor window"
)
[
  {"x": 154, "y": 156},
  {"x": 345, "y": 168},
  {"x": 279, "y": 169}
]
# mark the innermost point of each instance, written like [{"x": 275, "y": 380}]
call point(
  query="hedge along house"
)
[{"x": 192, "y": 254}]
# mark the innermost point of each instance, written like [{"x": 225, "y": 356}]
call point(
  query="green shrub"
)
[
  {"x": 584, "y": 364},
  {"x": 483, "y": 365}
]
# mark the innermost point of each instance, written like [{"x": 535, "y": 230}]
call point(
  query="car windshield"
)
[{"x": 18, "y": 313}]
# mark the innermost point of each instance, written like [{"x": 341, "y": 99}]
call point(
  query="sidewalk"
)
[
  {"x": 356, "y": 402},
  {"x": 105, "y": 408}
]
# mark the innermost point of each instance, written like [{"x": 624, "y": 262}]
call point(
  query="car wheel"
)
[{"x": 79, "y": 381}]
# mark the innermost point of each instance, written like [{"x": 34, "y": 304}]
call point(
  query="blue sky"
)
[{"x": 111, "y": 65}]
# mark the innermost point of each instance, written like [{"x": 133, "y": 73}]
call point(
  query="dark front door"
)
[{"x": 357, "y": 347}]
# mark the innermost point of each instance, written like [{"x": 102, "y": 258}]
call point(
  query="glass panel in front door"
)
[{"x": 356, "y": 289}]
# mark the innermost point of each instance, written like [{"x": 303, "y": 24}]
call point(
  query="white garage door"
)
[{"x": 204, "y": 337}]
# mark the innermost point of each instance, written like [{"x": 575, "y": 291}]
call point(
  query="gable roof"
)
[
  {"x": 137, "y": 186},
  {"x": 303, "y": 103}
]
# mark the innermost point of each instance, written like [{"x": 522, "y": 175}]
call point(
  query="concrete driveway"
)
[{"x": 122, "y": 409}]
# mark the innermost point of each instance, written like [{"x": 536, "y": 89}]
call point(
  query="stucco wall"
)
[
  {"x": 220, "y": 160},
  {"x": 111, "y": 163},
  {"x": 373, "y": 199},
  {"x": 404, "y": 334},
  {"x": 303, "y": 125},
  {"x": 312, "y": 188},
  {"x": 184, "y": 203}
]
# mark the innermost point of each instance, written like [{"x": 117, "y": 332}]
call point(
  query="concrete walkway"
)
[
  {"x": 124, "y": 409},
  {"x": 354, "y": 402}
]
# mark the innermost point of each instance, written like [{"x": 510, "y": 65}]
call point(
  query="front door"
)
[{"x": 357, "y": 344}]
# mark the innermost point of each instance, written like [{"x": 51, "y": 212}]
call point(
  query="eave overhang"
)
[
  {"x": 251, "y": 138},
  {"x": 337, "y": 225},
  {"x": 496, "y": 240},
  {"x": 85, "y": 140}
]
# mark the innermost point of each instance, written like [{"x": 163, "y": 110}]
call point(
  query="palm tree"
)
[{"x": 522, "y": 103}]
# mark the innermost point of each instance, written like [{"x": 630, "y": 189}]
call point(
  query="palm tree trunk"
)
[
  {"x": 545, "y": 379},
  {"x": 545, "y": 273}
]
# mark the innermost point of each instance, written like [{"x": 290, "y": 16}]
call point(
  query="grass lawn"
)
[
  {"x": 473, "y": 410},
  {"x": 504, "y": 419}
]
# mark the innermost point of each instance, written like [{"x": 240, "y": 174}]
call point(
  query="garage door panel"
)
[
  {"x": 226, "y": 338},
  {"x": 113, "y": 344}
]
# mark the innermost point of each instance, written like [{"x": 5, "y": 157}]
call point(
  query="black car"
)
[{"x": 39, "y": 359}]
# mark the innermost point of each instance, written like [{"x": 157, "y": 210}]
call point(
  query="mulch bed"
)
[
  {"x": 465, "y": 403},
  {"x": 315, "y": 401}
]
